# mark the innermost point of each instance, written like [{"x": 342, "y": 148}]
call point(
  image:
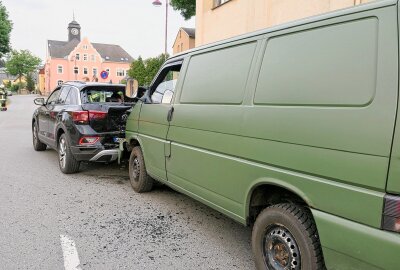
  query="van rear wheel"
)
[
  {"x": 140, "y": 180},
  {"x": 285, "y": 237}
]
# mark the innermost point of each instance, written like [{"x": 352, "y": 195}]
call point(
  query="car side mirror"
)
[
  {"x": 39, "y": 101},
  {"x": 132, "y": 87}
]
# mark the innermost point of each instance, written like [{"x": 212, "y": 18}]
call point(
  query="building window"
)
[
  {"x": 179, "y": 48},
  {"x": 76, "y": 70},
  {"x": 93, "y": 58},
  {"x": 77, "y": 57},
  {"x": 85, "y": 71},
  {"x": 108, "y": 70},
  {"x": 85, "y": 47},
  {"x": 59, "y": 82},
  {"x": 94, "y": 71},
  {"x": 85, "y": 57},
  {"x": 220, "y": 2},
  {"x": 120, "y": 72},
  {"x": 59, "y": 69}
]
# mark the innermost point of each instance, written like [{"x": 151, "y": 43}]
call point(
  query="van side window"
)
[{"x": 164, "y": 87}]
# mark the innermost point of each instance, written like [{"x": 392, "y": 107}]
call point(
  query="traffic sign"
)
[{"x": 104, "y": 74}]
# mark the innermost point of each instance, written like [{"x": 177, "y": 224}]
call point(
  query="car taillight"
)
[
  {"x": 88, "y": 140},
  {"x": 95, "y": 115},
  {"x": 80, "y": 117},
  {"x": 83, "y": 117},
  {"x": 391, "y": 214}
]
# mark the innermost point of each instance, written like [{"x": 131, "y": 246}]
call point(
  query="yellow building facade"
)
[
  {"x": 221, "y": 19},
  {"x": 185, "y": 40}
]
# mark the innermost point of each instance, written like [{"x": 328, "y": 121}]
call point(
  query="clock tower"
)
[{"x": 74, "y": 31}]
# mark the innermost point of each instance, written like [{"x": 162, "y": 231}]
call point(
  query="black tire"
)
[
  {"x": 140, "y": 180},
  {"x": 285, "y": 237},
  {"x": 67, "y": 162},
  {"x": 37, "y": 144}
]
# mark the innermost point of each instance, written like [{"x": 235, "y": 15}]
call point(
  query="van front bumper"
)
[{"x": 350, "y": 245}]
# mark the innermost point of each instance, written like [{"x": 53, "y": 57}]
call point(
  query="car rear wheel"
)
[
  {"x": 285, "y": 237},
  {"x": 68, "y": 164},
  {"x": 37, "y": 144},
  {"x": 140, "y": 180}
]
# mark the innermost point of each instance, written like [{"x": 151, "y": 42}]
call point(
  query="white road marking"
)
[{"x": 71, "y": 258}]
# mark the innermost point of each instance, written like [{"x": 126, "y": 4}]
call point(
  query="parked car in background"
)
[
  {"x": 9, "y": 93},
  {"x": 82, "y": 121},
  {"x": 293, "y": 130}
]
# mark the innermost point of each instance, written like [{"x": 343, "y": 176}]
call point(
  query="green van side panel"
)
[
  {"x": 393, "y": 184},
  {"x": 202, "y": 76},
  {"x": 335, "y": 157},
  {"x": 379, "y": 249},
  {"x": 344, "y": 43},
  {"x": 153, "y": 128},
  {"x": 132, "y": 123},
  {"x": 359, "y": 129},
  {"x": 228, "y": 181},
  {"x": 335, "y": 260}
]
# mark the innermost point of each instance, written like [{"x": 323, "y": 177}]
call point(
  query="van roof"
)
[{"x": 359, "y": 8}]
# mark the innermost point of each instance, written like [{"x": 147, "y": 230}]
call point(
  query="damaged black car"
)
[{"x": 83, "y": 122}]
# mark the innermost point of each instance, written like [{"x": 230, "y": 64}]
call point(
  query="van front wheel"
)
[
  {"x": 140, "y": 180},
  {"x": 285, "y": 237}
]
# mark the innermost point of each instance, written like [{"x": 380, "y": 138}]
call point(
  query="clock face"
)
[{"x": 74, "y": 31}]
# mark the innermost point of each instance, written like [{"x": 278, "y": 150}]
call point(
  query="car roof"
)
[{"x": 81, "y": 85}]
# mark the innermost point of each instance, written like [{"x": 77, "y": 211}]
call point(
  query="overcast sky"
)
[{"x": 136, "y": 25}]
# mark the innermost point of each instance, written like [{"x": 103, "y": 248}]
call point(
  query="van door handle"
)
[{"x": 170, "y": 114}]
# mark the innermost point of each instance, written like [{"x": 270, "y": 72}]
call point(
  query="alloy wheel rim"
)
[
  {"x": 62, "y": 152},
  {"x": 136, "y": 169},
  {"x": 280, "y": 249}
]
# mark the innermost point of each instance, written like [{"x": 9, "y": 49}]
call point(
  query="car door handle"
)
[{"x": 170, "y": 114}]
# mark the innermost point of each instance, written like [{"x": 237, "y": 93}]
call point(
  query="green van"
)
[{"x": 291, "y": 130}]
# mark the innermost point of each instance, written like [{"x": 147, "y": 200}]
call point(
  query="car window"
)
[
  {"x": 53, "y": 97},
  {"x": 165, "y": 84},
  {"x": 63, "y": 96},
  {"x": 72, "y": 98},
  {"x": 102, "y": 94}
]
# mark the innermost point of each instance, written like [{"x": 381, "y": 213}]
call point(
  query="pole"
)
[{"x": 166, "y": 30}]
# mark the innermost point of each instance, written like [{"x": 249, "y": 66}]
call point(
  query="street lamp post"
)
[{"x": 158, "y": 3}]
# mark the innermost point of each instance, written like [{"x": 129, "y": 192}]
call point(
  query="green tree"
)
[
  {"x": 145, "y": 70},
  {"x": 186, "y": 7},
  {"x": 5, "y": 30},
  {"x": 21, "y": 63},
  {"x": 138, "y": 71},
  {"x": 153, "y": 65},
  {"x": 30, "y": 83}
]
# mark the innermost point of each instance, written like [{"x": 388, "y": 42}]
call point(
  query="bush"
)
[{"x": 17, "y": 86}]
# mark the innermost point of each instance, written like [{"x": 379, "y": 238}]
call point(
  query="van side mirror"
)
[
  {"x": 132, "y": 87},
  {"x": 39, "y": 101}
]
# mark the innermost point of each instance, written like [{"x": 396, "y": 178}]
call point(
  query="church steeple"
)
[{"x": 74, "y": 29}]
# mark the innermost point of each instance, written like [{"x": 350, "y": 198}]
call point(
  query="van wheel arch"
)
[
  {"x": 132, "y": 143},
  {"x": 266, "y": 195}
]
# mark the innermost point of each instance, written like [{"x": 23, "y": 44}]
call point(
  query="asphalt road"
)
[{"x": 110, "y": 225}]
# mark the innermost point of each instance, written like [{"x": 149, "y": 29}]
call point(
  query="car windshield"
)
[{"x": 103, "y": 94}]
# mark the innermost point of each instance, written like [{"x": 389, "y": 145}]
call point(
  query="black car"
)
[{"x": 82, "y": 121}]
